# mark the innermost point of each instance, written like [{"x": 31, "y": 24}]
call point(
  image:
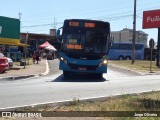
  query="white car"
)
[
  {"x": 10, "y": 62},
  {"x": 1, "y": 54}
]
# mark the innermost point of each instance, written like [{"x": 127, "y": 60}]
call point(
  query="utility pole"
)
[
  {"x": 20, "y": 14},
  {"x": 54, "y": 23},
  {"x": 134, "y": 34},
  {"x": 158, "y": 49}
]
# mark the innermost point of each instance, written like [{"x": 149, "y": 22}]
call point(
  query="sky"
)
[{"x": 39, "y": 16}]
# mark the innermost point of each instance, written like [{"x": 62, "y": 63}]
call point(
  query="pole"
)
[
  {"x": 54, "y": 23},
  {"x": 134, "y": 34},
  {"x": 158, "y": 48},
  {"x": 25, "y": 58},
  {"x": 151, "y": 60},
  {"x": 26, "y": 50},
  {"x": 20, "y": 14}
]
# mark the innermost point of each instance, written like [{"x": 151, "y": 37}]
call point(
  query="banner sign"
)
[{"x": 151, "y": 19}]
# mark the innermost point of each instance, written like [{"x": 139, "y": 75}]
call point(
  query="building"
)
[
  {"x": 34, "y": 40},
  {"x": 126, "y": 35},
  {"x": 10, "y": 38}
]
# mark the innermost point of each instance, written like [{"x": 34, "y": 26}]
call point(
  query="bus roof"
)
[
  {"x": 86, "y": 20},
  {"x": 87, "y": 24}
]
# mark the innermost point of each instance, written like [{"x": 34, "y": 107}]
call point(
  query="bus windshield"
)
[{"x": 85, "y": 40}]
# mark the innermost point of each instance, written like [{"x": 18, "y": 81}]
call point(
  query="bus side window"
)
[{"x": 138, "y": 47}]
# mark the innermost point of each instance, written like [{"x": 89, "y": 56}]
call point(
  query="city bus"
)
[
  {"x": 147, "y": 53},
  {"x": 84, "y": 46},
  {"x": 123, "y": 51}
]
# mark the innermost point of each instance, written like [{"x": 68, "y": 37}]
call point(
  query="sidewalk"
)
[{"x": 19, "y": 72}]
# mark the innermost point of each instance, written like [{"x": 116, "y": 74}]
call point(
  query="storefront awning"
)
[
  {"x": 11, "y": 42},
  {"x": 14, "y": 44}
]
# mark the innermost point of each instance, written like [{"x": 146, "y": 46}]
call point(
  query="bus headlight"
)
[
  {"x": 104, "y": 62},
  {"x": 62, "y": 59}
]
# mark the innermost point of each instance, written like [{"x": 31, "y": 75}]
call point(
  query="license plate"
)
[{"x": 82, "y": 68}]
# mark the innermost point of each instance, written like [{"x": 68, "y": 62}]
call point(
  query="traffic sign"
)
[{"x": 151, "y": 43}]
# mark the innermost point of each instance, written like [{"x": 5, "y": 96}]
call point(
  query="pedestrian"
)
[{"x": 37, "y": 55}]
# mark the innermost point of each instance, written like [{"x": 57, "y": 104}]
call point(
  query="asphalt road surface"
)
[{"x": 54, "y": 87}]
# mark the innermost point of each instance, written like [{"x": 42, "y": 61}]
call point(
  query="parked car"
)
[
  {"x": 1, "y": 54},
  {"x": 10, "y": 62},
  {"x": 3, "y": 64}
]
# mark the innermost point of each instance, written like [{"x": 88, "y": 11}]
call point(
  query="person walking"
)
[{"x": 37, "y": 55}]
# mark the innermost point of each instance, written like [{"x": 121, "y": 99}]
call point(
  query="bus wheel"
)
[
  {"x": 120, "y": 58},
  {"x": 128, "y": 58}
]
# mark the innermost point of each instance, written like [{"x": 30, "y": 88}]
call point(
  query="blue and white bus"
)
[
  {"x": 84, "y": 46},
  {"x": 123, "y": 51}
]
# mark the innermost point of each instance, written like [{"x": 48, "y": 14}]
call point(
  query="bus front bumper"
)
[{"x": 83, "y": 69}]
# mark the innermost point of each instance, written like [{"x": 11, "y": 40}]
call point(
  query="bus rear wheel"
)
[
  {"x": 120, "y": 58},
  {"x": 128, "y": 58}
]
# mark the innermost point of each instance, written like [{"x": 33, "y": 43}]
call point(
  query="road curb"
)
[
  {"x": 27, "y": 76},
  {"x": 65, "y": 103},
  {"x": 47, "y": 70},
  {"x": 18, "y": 77}
]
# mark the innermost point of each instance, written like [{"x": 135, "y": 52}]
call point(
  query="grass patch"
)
[
  {"x": 139, "y": 65},
  {"x": 140, "y": 102}
]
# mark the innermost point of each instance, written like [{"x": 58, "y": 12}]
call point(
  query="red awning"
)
[{"x": 48, "y": 45}]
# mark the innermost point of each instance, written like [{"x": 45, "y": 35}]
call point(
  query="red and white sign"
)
[{"x": 151, "y": 19}]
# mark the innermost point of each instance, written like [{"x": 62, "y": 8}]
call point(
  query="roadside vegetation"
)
[
  {"x": 139, "y": 65},
  {"x": 139, "y": 102}
]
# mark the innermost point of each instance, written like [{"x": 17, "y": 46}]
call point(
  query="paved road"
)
[{"x": 55, "y": 87}]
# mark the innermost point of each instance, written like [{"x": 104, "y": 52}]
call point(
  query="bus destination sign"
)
[
  {"x": 86, "y": 24},
  {"x": 92, "y": 25},
  {"x": 76, "y": 24}
]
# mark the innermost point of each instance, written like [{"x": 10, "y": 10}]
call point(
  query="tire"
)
[
  {"x": 128, "y": 58},
  {"x": 120, "y": 58}
]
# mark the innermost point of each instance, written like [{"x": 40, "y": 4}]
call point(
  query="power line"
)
[
  {"x": 109, "y": 17},
  {"x": 79, "y": 8},
  {"x": 93, "y": 10},
  {"x": 40, "y": 25},
  {"x": 36, "y": 25}
]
